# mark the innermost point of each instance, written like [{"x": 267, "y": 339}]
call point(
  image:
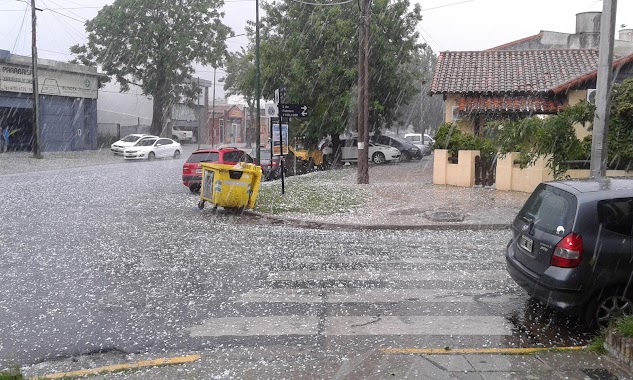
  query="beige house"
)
[
  {"x": 536, "y": 75},
  {"x": 479, "y": 86}
]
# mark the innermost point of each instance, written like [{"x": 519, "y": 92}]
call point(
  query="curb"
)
[
  {"x": 475, "y": 351},
  {"x": 349, "y": 226},
  {"x": 122, "y": 367}
]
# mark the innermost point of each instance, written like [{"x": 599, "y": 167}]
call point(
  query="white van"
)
[{"x": 422, "y": 141}]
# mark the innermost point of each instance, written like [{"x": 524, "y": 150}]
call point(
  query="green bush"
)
[{"x": 449, "y": 137}]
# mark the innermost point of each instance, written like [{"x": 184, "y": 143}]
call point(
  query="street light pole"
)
[
  {"x": 36, "y": 93},
  {"x": 213, "y": 113}
]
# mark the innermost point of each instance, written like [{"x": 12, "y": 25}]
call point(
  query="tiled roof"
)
[
  {"x": 513, "y": 104},
  {"x": 510, "y": 71}
]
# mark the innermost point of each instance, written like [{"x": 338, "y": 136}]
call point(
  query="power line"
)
[{"x": 21, "y": 27}]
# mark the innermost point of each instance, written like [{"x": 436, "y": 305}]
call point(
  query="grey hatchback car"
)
[{"x": 571, "y": 247}]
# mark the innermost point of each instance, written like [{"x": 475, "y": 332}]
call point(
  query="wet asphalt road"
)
[{"x": 118, "y": 258}]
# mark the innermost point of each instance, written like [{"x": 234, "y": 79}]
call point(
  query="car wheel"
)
[
  {"x": 194, "y": 188},
  {"x": 378, "y": 158},
  {"x": 175, "y": 138},
  {"x": 310, "y": 166},
  {"x": 176, "y": 154},
  {"x": 406, "y": 156},
  {"x": 151, "y": 156},
  {"x": 608, "y": 305}
]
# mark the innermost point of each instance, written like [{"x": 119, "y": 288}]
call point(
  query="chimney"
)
[
  {"x": 625, "y": 35},
  {"x": 587, "y": 34},
  {"x": 588, "y": 22}
]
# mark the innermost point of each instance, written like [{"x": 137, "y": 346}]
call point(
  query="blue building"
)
[{"x": 68, "y": 103}]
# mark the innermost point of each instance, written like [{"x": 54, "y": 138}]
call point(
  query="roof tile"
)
[{"x": 510, "y": 71}]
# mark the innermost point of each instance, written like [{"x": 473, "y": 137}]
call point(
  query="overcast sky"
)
[{"x": 447, "y": 24}]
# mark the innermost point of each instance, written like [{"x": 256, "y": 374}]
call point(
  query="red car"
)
[{"x": 192, "y": 171}]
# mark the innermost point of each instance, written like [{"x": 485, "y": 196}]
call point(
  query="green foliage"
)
[
  {"x": 313, "y": 52},
  {"x": 620, "y": 134},
  {"x": 596, "y": 345},
  {"x": 451, "y": 138},
  {"x": 553, "y": 137},
  {"x": 154, "y": 44},
  {"x": 625, "y": 326},
  {"x": 13, "y": 374}
]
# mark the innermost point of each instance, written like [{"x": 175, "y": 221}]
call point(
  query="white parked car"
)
[
  {"x": 378, "y": 154},
  {"x": 180, "y": 135},
  {"x": 129, "y": 140},
  {"x": 151, "y": 148}
]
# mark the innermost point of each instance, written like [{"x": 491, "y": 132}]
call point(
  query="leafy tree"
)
[
  {"x": 154, "y": 44},
  {"x": 313, "y": 52},
  {"x": 423, "y": 112},
  {"x": 620, "y": 134}
]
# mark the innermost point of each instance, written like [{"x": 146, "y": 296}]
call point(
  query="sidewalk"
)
[
  {"x": 403, "y": 197},
  {"x": 279, "y": 362}
]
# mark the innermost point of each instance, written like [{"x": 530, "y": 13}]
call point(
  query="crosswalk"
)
[{"x": 423, "y": 293}]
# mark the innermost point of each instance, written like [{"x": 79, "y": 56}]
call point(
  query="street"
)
[{"x": 118, "y": 258}]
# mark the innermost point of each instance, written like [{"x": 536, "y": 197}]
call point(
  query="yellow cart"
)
[{"x": 232, "y": 187}]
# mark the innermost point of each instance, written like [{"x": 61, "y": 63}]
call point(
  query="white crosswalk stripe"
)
[
  {"x": 352, "y": 325},
  {"x": 362, "y": 295},
  {"x": 341, "y": 295},
  {"x": 399, "y": 275}
]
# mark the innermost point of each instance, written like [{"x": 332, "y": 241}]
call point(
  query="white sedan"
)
[
  {"x": 129, "y": 140},
  {"x": 151, "y": 148}
]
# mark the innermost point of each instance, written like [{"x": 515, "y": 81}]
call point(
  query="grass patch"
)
[
  {"x": 625, "y": 326},
  {"x": 596, "y": 345},
  {"x": 321, "y": 193},
  {"x": 13, "y": 374}
]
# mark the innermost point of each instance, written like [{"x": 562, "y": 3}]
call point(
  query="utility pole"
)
[
  {"x": 257, "y": 86},
  {"x": 362, "y": 175},
  {"x": 35, "y": 147},
  {"x": 599, "y": 144},
  {"x": 213, "y": 113}
]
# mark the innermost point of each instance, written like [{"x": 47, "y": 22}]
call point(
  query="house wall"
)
[
  {"x": 509, "y": 176},
  {"x": 459, "y": 174},
  {"x": 465, "y": 125}
]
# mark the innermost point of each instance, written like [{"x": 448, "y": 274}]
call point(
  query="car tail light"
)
[{"x": 568, "y": 252}]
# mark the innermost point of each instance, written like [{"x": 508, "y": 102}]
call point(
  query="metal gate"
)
[{"x": 485, "y": 170}]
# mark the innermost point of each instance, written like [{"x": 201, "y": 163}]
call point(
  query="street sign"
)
[
  {"x": 271, "y": 110},
  {"x": 293, "y": 110}
]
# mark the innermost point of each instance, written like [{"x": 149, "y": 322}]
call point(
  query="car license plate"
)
[
  {"x": 199, "y": 171},
  {"x": 526, "y": 243}
]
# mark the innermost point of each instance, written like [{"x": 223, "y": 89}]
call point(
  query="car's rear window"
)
[
  {"x": 204, "y": 157},
  {"x": 552, "y": 210},
  {"x": 233, "y": 156}
]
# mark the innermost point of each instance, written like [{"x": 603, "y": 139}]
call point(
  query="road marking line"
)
[
  {"x": 122, "y": 367},
  {"x": 461, "y": 351},
  {"x": 417, "y": 325},
  {"x": 353, "y": 326},
  {"x": 257, "y": 326},
  {"x": 303, "y": 295},
  {"x": 390, "y": 275}
]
